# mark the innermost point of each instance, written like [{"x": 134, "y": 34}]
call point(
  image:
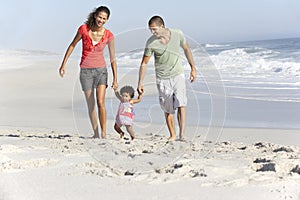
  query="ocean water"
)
[
  {"x": 244, "y": 84},
  {"x": 260, "y": 70},
  {"x": 262, "y": 82}
]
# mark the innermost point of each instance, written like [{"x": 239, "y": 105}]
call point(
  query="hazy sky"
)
[{"x": 50, "y": 25}]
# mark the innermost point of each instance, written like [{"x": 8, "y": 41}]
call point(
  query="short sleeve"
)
[
  {"x": 82, "y": 29},
  {"x": 181, "y": 37},
  {"x": 148, "y": 49},
  {"x": 110, "y": 36}
]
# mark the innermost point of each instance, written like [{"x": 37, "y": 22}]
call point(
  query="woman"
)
[{"x": 93, "y": 72}]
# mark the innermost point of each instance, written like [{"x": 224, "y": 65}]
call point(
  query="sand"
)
[{"x": 45, "y": 155}]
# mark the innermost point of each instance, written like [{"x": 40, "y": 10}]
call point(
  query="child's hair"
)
[{"x": 128, "y": 89}]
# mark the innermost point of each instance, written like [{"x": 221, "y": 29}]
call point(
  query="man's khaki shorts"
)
[{"x": 172, "y": 93}]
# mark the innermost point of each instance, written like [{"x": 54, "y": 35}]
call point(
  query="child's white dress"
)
[{"x": 125, "y": 114}]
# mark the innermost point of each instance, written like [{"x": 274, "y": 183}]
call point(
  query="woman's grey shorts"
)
[{"x": 90, "y": 78}]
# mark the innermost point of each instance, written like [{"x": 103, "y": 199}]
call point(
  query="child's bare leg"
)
[
  {"x": 119, "y": 130},
  {"x": 130, "y": 131}
]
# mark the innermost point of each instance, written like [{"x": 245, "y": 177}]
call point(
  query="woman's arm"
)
[
  {"x": 113, "y": 63},
  {"x": 62, "y": 69}
]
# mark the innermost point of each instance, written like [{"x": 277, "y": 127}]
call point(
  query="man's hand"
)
[
  {"x": 193, "y": 75},
  {"x": 140, "y": 89}
]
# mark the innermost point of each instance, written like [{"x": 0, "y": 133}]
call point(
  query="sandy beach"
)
[{"x": 44, "y": 152}]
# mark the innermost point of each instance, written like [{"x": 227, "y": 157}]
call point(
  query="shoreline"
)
[{"x": 47, "y": 100}]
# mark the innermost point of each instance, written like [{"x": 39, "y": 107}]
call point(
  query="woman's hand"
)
[
  {"x": 114, "y": 85},
  {"x": 62, "y": 71}
]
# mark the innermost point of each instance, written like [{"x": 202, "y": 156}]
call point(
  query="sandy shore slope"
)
[{"x": 43, "y": 156}]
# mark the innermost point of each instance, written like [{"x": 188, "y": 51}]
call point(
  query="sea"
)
[{"x": 253, "y": 84}]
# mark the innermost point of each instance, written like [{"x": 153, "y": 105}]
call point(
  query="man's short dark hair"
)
[{"x": 158, "y": 20}]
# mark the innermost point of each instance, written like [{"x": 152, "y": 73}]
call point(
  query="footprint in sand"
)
[
  {"x": 12, "y": 165},
  {"x": 296, "y": 169}
]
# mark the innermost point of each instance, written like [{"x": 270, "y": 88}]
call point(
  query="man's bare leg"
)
[
  {"x": 101, "y": 90},
  {"x": 171, "y": 126},
  {"x": 181, "y": 116},
  {"x": 90, "y": 100}
]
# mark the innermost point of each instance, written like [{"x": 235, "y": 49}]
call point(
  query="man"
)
[{"x": 165, "y": 44}]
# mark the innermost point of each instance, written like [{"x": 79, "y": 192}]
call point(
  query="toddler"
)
[{"x": 126, "y": 113}]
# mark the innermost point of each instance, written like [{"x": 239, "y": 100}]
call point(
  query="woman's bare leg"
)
[
  {"x": 101, "y": 90},
  {"x": 90, "y": 100}
]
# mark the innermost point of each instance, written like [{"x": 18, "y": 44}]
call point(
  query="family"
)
[{"x": 165, "y": 44}]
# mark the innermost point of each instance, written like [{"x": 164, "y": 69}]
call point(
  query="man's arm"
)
[
  {"x": 142, "y": 72},
  {"x": 189, "y": 56}
]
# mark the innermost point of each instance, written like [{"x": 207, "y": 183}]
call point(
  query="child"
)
[{"x": 126, "y": 113}]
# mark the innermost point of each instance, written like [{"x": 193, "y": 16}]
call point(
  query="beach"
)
[
  {"x": 45, "y": 152},
  {"x": 47, "y": 165}
]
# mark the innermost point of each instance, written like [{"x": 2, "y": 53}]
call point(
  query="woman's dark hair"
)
[
  {"x": 128, "y": 89},
  {"x": 91, "y": 18},
  {"x": 158, "y": 20}
]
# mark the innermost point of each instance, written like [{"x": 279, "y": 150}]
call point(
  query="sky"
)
[{"x": 50, "y": 25}]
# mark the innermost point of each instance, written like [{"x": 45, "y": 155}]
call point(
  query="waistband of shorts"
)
[
  {"x": 170, "y": 78},
  {"x": 94, "y": 69}
]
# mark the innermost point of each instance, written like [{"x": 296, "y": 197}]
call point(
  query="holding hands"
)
[
  {"x": 140, "y": 89},
  {"x": 114, "y": 85}
]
